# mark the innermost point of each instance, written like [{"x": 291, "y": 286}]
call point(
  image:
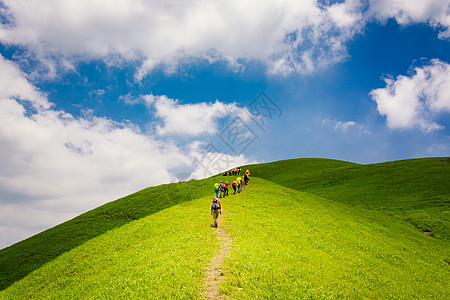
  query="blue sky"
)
[{"x": 100, "y": 99}]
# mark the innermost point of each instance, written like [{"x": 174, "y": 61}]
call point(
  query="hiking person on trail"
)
[
  {"x": 234, "y": 184},
  {"x": 235, "y": 171},
  {"x": 216, "y": 208},
  {"x": 246, "y": 179},
  {"x": 239, "y": 171},
  {"x": 216, "y": 189},
  {"x": 221, "y": 190},
  {"x": 225, "y": 188},
  {"x": 239, "y": 184}
]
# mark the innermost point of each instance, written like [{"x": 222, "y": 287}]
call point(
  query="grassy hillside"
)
[
  {"x": 416, "y": 191},
  {"x": 160, "y": 256},
  {"x": 22, "y": 258},
  {"x": 318, "y": 229},
  {"x": 290, "y": 244}
]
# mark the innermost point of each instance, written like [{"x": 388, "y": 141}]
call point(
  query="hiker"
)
[
  {"x": 225, "y": 188},
  {"x": 216, "y": 208},
  {"x": 235, "y": 171},
  {"x": 239, "y": 184},
  {"x": 239, "y": 171},
  {"x": 221, "y": 190},
  {"x": 216, "y": 189},
  {"x": 246, "y": 179},
  {"x": 234, "y": 187}
]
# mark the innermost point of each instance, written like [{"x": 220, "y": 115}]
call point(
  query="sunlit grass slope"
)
[
  {"x": 318, "y": 229},
  {"x": 161, "y": 256},
  {"x": 293, "y": 245},
  {"x": 20, "y": 259},
  {"x": 416, "y": 190}
]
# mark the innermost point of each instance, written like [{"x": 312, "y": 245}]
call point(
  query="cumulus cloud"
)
[
  {"x": 405, "y": 12},
  {"x": 55, "y": 166},
  {"x": 415, "y": 101},
  {"x": 288, "y": 36},
  {"x": 192, "y": 119},
  {"x": 348, "y": 127}
]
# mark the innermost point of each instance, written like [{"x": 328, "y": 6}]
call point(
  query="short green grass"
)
[
  {"x": 162, "y": 256},
  {"x": 318, "y": 229},
  {"x": 292, "y": 245},
  {"x": 415, "y": 190},
  {"x": 22, "y": 258}
]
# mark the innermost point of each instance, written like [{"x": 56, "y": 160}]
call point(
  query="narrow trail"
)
[{"x": 214, "y": 272}]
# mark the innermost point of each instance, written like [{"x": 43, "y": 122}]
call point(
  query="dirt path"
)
[{"x": 214, "y": 273}]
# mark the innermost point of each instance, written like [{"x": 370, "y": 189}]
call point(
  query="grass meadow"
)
[{"x": 302, "y": 229}]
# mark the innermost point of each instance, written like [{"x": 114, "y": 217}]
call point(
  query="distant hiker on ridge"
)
[
  {"x": 216, "y": 208},
  {"x": 234, "y": 187},
  {"x": 239, "y": 171}
]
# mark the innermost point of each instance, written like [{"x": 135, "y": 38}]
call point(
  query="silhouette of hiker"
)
[{"x": 216, "y": 209}]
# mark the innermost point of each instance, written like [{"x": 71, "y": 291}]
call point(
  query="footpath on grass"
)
[{"x": 215, "y": 271}]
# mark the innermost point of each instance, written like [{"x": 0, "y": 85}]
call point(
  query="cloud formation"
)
[
  {"x": 405, "y": 12},
  {"x": 415, "y": 101},
  {"x": 288, "y": 36},
  {"x": 191, "y": 119}
]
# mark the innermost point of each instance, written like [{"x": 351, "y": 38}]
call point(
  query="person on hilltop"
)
[
  {"x": 216, "y": 189},
  {"x": 235, "y": 171},
  {"x": 239, "y": 171},
  {"x": 216, "y": 209},
  {"x": 225, "y": 188},
  {"x": 234, "y": 184}
]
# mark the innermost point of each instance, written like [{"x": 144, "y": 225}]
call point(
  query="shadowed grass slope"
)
[
  {"x": 161, "y": 256},
  {"x": 293, "y": 245},
  {"x": 22, "y": 258},
  {"x": 415, "y": 190}
]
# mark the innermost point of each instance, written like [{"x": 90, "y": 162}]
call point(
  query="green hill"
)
[{"x": 305, "y": 228}]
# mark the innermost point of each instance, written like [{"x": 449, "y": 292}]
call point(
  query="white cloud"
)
[
  {"x": 192, "y": 119},
  {"x": 55, "y": 166},
  {"x": 349, "y": 127},
  {"x": 415, "y": 101},
  {"x": 288, "y": 36},
  {"x": 434, "y": 12}
]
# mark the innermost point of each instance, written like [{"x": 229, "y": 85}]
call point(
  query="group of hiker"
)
[{"x": 221, "y": 190}]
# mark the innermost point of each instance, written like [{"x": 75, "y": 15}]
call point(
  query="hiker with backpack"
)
[
  {"x": 216, "y": 189},
  {"x": 225, "y": 188},
  {"x": 216, "y": 209},
  {"x": 234, "y": 184},
  {"x": 239, "y": 184},
  {"x": 246, "y": 179},
  {"x": 221, "y": 190}
]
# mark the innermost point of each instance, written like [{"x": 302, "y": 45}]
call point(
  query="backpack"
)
[
  {"x": 215, "y": 205},
  {"x": 234, "y": 183}
]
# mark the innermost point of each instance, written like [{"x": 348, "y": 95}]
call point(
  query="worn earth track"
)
[{"x": 215, "y": 271}]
